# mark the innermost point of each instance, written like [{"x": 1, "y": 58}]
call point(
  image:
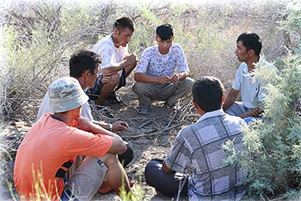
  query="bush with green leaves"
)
[{"x": 272, "y": 146}]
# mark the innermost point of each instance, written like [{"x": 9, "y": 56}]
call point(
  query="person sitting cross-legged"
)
[
  {"x": 248, "y": 48},
  {"x": 199, "y": 146},
  {"x": 50, "y": 147}
]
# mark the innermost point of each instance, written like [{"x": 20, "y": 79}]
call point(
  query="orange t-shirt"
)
[{"x": 45, "y": 148}]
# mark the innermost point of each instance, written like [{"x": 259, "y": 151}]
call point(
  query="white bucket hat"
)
[{"x": 66, "y": 94}]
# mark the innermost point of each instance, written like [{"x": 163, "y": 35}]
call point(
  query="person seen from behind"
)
[{"x": 199, "y": 146}]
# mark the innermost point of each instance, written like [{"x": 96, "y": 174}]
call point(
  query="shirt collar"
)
[
  {"x": 211, "y": 114},
  {"x": 112, "y": 41},
  {"x": 246, "y": 68}
]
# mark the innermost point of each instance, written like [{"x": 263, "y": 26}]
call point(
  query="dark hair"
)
[
  {"x": 207, "y": 92},
  {"x": 122, "y": 23},
  {"x": 82, "y": 61},
  {"x": 164, "y": 31},
  {"x": 250, "y": 41}
]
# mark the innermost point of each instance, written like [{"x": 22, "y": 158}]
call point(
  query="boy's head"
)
[
  {"x": 66, "y": 94},
  {"x": 164, "y": 37},
  {"x": 251, "y": 41},
  {"x": 83, "y": 61},
  {"x": 123, "y": 30},
  {"x": 208, "y": 93},
  {"x": 122, "y": 23},
  {"x": 165, "y": 32}
]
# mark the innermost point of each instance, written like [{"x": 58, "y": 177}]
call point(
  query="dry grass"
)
[{"x": 209, "y": 52}]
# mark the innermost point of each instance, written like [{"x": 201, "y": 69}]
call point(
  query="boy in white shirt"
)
[
  {"x": 117, "y": 63},
  {"x": 248, "y": 52}
]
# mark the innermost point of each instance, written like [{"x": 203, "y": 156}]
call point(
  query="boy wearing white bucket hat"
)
[{"x": 50, "y": 146}]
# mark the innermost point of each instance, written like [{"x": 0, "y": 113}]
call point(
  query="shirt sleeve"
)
[
  {"x": 44, "y": 107},
  {"x": 181, "y": 60},
  {"x": 262, "y": 91},
  {"x": 85, "y": 143},
  {"x": 143, "y": 63},
  {"x": 237, "y": 80},
  {"x": 179, "y": 158},
  {"x": 86, "y": 111},
  {"x": 106, "y": 53}
]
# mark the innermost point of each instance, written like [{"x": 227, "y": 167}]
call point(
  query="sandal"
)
[{"x": 143, "y": 110}]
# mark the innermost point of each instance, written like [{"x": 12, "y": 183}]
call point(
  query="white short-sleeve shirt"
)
[
  {"x": 155, "y": 64},
  {"x": 251, "y": 89},
  {"x": 109, "y": 54}
]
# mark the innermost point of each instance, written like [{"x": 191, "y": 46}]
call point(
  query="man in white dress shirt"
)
[{"x": 83, "y": 66}]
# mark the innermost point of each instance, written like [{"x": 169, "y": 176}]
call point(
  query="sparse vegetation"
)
[{"x": 37, "y": 40}]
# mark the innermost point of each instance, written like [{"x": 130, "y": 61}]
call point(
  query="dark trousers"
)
[
  {"x": 127, "y": 156},
  {"x": 169, "y": 185},
  {"x": 94, "y": 92}
]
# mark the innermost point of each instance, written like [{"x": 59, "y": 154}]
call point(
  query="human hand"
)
[
  {"x": 106, "y": 79},
  {"x": 131, "y": 59},
  {"x": 256, "y": 112},
  {"x": 163, "y": 79},
  {"x": 84, "y": 123},
  {"x": 120, "y": 126},
  {"x": 175, "y": 78}
]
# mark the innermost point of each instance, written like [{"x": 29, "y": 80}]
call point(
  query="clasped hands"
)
[
  {"x": 168, "y": 79},
  {"x": 256, "y": 112}
]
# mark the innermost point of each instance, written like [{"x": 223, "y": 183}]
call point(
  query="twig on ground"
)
[
  {"x": 171, "y": 120},
  {"x": 151, "y": 134},
  {"x": 145, "y": 123}
]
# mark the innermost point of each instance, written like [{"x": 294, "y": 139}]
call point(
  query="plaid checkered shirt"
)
[{"x": 199, "y": 146}]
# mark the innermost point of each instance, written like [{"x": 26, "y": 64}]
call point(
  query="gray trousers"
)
[
  {"x": 87, "y": 178},
  {"x": 170, "y": 93},
  {"x": 237, "y": 108}
]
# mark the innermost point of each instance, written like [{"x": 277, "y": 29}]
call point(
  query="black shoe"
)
[{"x": 114, "y": 100}]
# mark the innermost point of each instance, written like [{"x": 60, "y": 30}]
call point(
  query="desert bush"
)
[
  {"x": 37, "y": 43},
  {"x": 272, "y": 152}
]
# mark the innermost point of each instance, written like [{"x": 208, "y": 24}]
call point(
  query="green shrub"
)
[{"x": 272, "y": 146}]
